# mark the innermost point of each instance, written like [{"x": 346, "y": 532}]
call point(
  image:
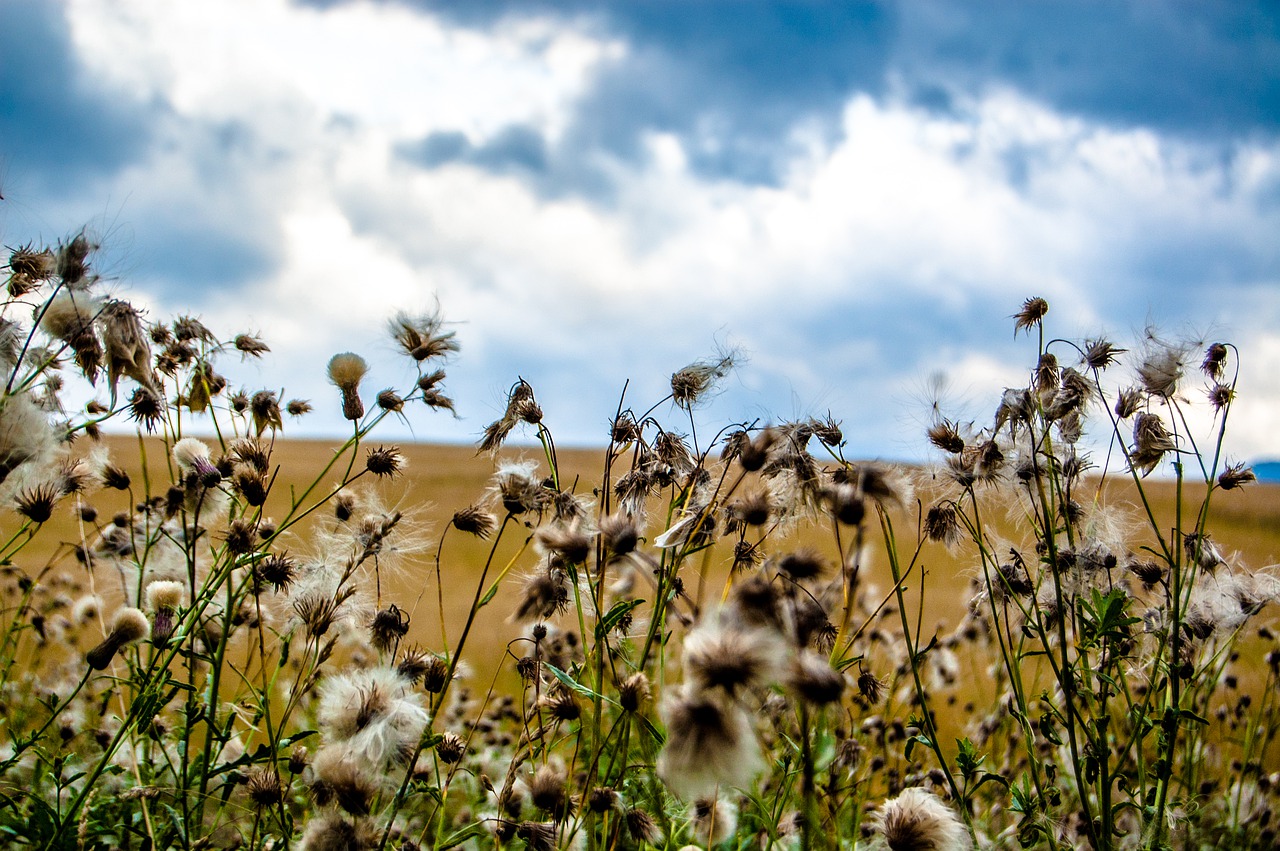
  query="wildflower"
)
[
  {"x": 475, "y": 521},
  {"x": 516, "y": 486},
  {"x": 69, "y": 317},
  {"x": 1046, "y": 376},
  {"x": 128, "y": 626},
  {"x": 252, "y": 453},
  {"x": 334, "y": 833},
  {"x": 298, "y": 407},
  {"x": 264, "y": 787},
  {"x": 693, "y": 382},
  {"x": 619, "y": 534},
  {"x": 146, "y": 408},
  {"x": 801, "y": 565},
  {"x": 870, "y": 687},
  {"x": 251, "y": 484},
  {"x": 422, "y": 336},
  {"x": 450, "y": 748},
  {"x": 375, "y": 714},
  {"x": 917, "y": 820},
  {"x": 521, "y": 407},
  {"x": 384, "y": 461},
  {"x": 1162, "y": 366},
  {"x": 814, "y": 680},
  {"x": 945, "y": 435},
  {"x": 1127, "y": 402},
  {"x": 239, "y": 536},
  {"x": 36, "y": 503},
  {"x": 1032, "y": 312},
  {"x": 72, "y": 261},
  {"x": 1100, "y": 354},
  {"x": 731, "y": 659},
  {"x": 125, "y": 340},
  {"x": 250, "y": 346},
  {"x": 633, "y": 692},
  {"x": 567, "y": 543},
  {"x": 164, "y": 599},
  {"x": 388, "y": 627},
  {"x": 547, "y": 792},
  {"x": 1151, "y": 442},
  {"x": 1215, "y": 361},
  {"x": 1220, "y": 396},
  {"x": 28, "y": 268},
  {"x": 883, "y": 483},
  {"x": 1236, "y": 476},
  {"x": 753, "y": 455},
  {"x": 537, "y": 835},
  {"x": 756, "y": 602},
  {"x": 188, "y": 328},
  {"x": 642, "y": 826},
  {"x": 341, "y": 778},
  {"x": 942, "y": 523},
  {"x": 714, "y": 821},
  {"x": 346, "y": 371},
  {"x": 710, "y": 743},
  {"x": 545, "y": 594},
  {"x": 624, "y": 430},
  {"x": 192, "y": 457},
  {"x": 389, "y": 400}
]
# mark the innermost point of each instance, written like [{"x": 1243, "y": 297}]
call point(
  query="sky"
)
[{"x": 854, "y": 196}]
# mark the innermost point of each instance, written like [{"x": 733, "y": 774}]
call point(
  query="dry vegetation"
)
[{"x": 237, "y": 640}]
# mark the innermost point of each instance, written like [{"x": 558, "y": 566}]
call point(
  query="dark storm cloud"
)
[
  {"x": 731, "y": 79},
  {"x": 56, "y": 127},
  {"x": 1199, "y": 69}
]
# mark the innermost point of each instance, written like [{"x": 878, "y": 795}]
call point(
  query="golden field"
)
[{"x": 440, "y": 479}]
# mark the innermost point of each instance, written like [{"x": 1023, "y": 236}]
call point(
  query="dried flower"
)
[
  {"x": 250, "y": 346},
  {"x": 693, "y": 382},
  {"x": 917, "y": 820},
  {"x": 422, "y": 336},
  {"x": 1236, "y": 476},
  {"x": 709, "y": 744},
  {"x": 384, "y": 461},
  {"x": 128, "y": 626},
  {"x": 474, "y": 520},
  {"x": 1033, "y": 310},
  {"x": 192, "y": 457},
  {"x": 346, "y": 371}
]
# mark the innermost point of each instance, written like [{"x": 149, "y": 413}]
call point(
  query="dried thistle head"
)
[
  {"x": 384, "y": 461},
  {"x": 1100, "y": 353},
  {"x": 1236, "y": 476},
  {"x": 422, "y": 336},
  {"x": 474, "y": 520},
  {"x": 250, "y": 346},
  {"x": 128, "y": 626},
  {"x": 346, "y": 371},
  {"x": 692, "y": 383},
  {"x": 917, "y": 820},
  {"x": 1030, "y": 316}
]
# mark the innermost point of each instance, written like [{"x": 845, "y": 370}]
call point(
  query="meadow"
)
[{"x": 722, "y": 635}]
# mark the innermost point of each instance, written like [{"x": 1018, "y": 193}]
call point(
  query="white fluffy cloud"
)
[{"x": 895, "y": 248}]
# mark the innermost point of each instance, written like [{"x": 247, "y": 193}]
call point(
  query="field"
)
[{"x": 441, "y": 479}]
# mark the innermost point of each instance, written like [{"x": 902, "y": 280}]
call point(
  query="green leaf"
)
[
  {"x": 614, "y": 616},
  {"x": 570, "y": 683},
  {"x": 471, "y": 831}
]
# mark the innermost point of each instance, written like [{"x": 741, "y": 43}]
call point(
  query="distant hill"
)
[{"x": 1267, "y": 471}]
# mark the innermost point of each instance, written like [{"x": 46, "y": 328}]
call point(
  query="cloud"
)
[
  {"x": 551, "y": 176},
  {"x": 60, "y": 130}
]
